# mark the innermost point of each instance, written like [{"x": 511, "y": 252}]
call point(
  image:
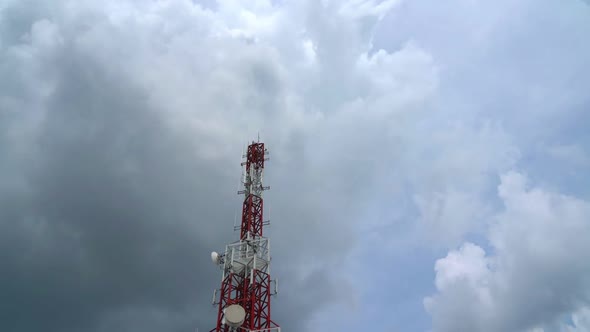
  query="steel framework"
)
[{"x": 246, "y": 263}]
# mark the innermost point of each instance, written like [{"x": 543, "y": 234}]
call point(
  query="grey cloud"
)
[
  {"x": 111, "y": 212},
  {"x": 121, "y": 128},
  {"x": 118, "y": 179}
]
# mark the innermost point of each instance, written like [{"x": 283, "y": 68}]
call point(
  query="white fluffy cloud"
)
[
  {"x": 580, "y": 321},
  {"x": 536, "y": 270}
]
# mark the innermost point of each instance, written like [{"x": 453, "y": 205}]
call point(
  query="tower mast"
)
[{"x": 244, "y": 297}]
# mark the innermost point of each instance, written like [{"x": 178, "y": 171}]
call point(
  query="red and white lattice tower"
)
[{"x": 244, "y": 297}]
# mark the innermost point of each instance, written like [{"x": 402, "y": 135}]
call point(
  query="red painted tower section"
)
[
  {"x": 253, "y": 205},
  {"x": 246, "y": 263}
]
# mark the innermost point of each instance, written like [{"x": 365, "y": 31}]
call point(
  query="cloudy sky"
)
[{"x": 430, "y": 161}]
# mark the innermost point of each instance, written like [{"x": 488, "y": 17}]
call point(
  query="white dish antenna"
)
[
  {"x": 215, "y": 258},
  {"x": 234, "y": 315}
]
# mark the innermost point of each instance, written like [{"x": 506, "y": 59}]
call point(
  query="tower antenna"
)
[{"x": 243, "y": 301}]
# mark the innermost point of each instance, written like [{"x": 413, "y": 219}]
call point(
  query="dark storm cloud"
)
[
  {"x": 109, "y": 209},
  {"x": 113, "y": 214}
]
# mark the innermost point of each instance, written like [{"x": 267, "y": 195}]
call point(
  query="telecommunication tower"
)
[{"x": 244, "y": 297}]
